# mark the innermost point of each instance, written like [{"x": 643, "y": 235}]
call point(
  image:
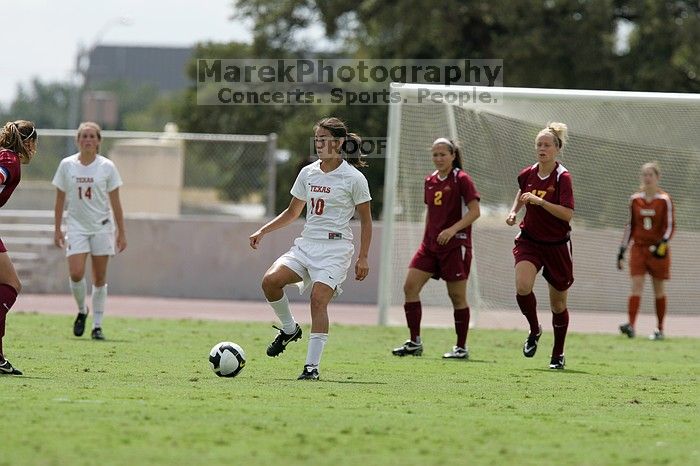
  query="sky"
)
[{"x": 41, "y": 38}]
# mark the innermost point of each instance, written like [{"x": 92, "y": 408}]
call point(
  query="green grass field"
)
[{"x": 147, "y": 397}]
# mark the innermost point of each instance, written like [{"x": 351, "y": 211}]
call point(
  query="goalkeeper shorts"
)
[{"x": 643, "y": 261}]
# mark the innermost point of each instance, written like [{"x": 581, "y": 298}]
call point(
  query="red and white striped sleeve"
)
[
  {"x": 670, "y": 218},
  {"x": 627, "y": 235}
]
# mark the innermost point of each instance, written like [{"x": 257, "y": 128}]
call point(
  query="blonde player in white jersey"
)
[
  {"x": 90, "y": 183},
  {"x": 332, "y": 189}
]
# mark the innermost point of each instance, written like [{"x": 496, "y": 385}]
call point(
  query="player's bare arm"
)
[
  {"x": 58, "y": 218},
  {"x": 362, "y": 264},
  {"x": 286, "y": 217},
  {"x": 517, "y": 205},
  {"x": 118, "y": 218}
]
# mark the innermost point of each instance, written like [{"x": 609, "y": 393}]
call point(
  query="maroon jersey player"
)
[
  {"x": 546, "y": 191},
  {"x": 446, "y": 249},
  {"x": 17, "y": 146}
]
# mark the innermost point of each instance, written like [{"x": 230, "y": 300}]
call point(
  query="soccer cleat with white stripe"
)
[
  {"x": 557, "y": 362},
  {"x": 457, "y": 353},
  {"x": 279, "y": 344},
  {"x": 6, "y": 368},
  {"x": 530, "y": 346},
  {"x": 309, "y": 373},
  {"x": 409, "y": 348}
]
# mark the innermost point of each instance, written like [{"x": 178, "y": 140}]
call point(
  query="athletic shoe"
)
[
  {"x": 626, "y": 329},
  {"x": 557, "y": 362},
  {"x": 97, "y": 334},
  {"x": 409, "y": 348},
  {"x": 281, "y": 341},
  {"x": 457, "y": 353},
  {"x": 6, "y": 368},
  {"x": 309, "y": 373},
  {"x": 530, "y": 346},
  {"x": 79, "y": 324},
  {"x": 657, "y": 335}
]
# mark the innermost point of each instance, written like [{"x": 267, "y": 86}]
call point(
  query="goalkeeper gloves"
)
[
  {"x": 620, "y": 257},
  {"x": 661, "y": 249}
]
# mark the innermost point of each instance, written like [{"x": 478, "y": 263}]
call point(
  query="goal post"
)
[{"x": 611, "y": 134}]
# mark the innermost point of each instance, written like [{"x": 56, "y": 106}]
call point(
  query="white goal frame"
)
[{"x": 409, "y": 94}]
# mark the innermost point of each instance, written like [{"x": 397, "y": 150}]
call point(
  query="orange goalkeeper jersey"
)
[{"x": 650, "y": 220}]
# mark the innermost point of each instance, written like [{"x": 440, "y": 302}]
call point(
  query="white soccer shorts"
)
[
  {"x": 319, "y": 260},
  {"x": 97, "y": 244}
]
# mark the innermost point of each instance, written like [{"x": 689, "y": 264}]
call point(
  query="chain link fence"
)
[{"x": 219, "y": 174}]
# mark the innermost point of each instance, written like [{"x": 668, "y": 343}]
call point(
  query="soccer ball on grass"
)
[{"x": 227, "y": 359}]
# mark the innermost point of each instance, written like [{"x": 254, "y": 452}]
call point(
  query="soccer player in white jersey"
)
[
  {"x": 90, "y": 183},
  {"x": 332, "y": 189}
]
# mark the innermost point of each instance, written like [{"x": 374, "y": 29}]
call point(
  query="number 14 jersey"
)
[{"x": 87, "y": 189}]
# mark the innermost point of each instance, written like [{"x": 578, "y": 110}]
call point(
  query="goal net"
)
[{"x": 611, "y": 134}]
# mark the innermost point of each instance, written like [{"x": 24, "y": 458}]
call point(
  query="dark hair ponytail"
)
[
  {"x": 352, "y": 146},
  {"x": 457, "y": 162}
]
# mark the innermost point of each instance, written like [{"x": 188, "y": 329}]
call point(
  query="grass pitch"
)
[{"x": 146, "y": 396}]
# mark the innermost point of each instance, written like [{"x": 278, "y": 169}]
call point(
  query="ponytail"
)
[
  {"x": 558, "y": 131},
  {"x": 16, "y": 135},
  {"x": 352, "y": 147}
]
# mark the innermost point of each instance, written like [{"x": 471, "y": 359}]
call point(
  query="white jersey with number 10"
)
[{"x": 330, "y": 199}]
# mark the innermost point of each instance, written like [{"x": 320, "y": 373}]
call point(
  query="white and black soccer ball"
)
[{"x": 227, "y": 359}]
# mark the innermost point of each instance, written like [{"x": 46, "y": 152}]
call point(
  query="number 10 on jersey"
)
[{"x": 317, "y": 206}]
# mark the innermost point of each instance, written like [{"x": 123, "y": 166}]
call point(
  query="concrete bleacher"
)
[{"x": 28, "y": 237}]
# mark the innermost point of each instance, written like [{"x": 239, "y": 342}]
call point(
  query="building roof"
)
[{"x": 162, "y": 67}]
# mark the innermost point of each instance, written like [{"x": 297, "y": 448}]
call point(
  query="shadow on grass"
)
[
  {"x": 23, "y": 377},
  {"x": 356, "y": 382},
  {"x": 101, "y": 342},
  {"x": 560, "y": 371},
  {"x": 322, "y": 380},
  {"x": 469, "y": 361}
]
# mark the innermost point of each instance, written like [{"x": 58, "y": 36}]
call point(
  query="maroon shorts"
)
[
  {"x": 643, "y": 261},
  {"x": 2, "y": 247},
  {"x": 555, "y": 259},
  {"x": 451, "y": 265}
]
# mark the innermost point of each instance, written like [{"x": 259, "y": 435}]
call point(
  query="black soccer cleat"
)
[
  {"x": 626, "y": 329},
  {"x": 530, "y": 346},
  {"x": 410, "y": 348},
  {"x": 97, "y": 334},
  {"x": 281, "y": 341},
  {"x": 79, "y": 324},
  {"x": 557, "y": 362},
  {"x": 6, "y": 368},
  {"x": 309, "y": 373}
]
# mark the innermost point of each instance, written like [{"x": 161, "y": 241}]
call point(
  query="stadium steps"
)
[{"x": 28, "y": 237}]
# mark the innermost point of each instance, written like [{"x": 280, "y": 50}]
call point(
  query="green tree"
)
[
  {"x": 664, "y": 52},
  {"x": 45, "y": 103},
  {"x": 543, "y": 43}
]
